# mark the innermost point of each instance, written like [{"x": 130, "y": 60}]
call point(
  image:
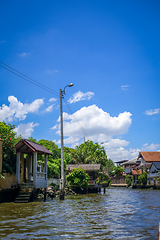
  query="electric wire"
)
[{"x": 36, "y": 83}]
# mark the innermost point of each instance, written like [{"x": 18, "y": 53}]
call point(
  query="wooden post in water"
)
[
  {"x": 44, "y": 194},
  {"x": 159, "y": 232},
  {"x": 104, "y": 190}
]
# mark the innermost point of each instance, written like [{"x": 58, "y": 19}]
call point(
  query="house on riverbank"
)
[
  {"x": 29, "y": 174},
  {"x": 153, "y": 177}
]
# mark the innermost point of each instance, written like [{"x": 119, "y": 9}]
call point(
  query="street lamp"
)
[{"x": 62, "y": 93}]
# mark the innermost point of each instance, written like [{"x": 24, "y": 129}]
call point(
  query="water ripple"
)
[{"x": 118, "y": 214}]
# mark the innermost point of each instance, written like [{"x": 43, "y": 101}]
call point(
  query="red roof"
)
[
  {"x": 136, "y": 172},
  {"x": 150, "y": 156}
]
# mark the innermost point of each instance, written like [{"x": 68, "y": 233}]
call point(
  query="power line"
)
[
  {"x": 36, "y": 83},
  {"x": 82, "y": 129}
]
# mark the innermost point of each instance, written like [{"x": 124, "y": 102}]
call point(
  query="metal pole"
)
[{"x": 62, "y": 155}]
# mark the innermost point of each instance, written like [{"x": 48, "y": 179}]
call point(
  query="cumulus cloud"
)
[
  {"x": 152, "y": 111},
  {"x": 49, "y": 109},
  {"x": 94, "y": 123},
  {"x": 125, "y": 87},
  {"x": 118, "y": 154},
  {"x": 25, "y": 130},
  {"x": 115, "y": 150},
  {"x": 79, "y": 96},
  {"x": 52, "y": 100},
  {"x": 151, "y": 147},
  {"x": 18, "y": 110}
]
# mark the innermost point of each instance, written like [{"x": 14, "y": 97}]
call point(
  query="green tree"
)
[
  {"x": 110, "y": 166},
  {"x": 9, "y": 153},
  {"x": 128, "y": 180},
  {"x": 142, "y": 179},
  {"x": 89, "y": 153},
  {"x": 78, "y": 178},
  {"x": 118, "y": 170}
]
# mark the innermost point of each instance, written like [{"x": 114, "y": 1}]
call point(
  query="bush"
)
[
  {"x": 78, "y": 178},
  {"x": 128, "y": 180},
  {"x": 142, "y": 179}
]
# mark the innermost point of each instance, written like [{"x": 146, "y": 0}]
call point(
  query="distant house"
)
[
  {"x": 136, "y": 173},
  {"x": 145, "y": 159},
  {"x": 121, "y": 163},
  {"x": 129, "y": 165},
  {"x": 91, "y": 169},
  {"x": 153, "y": 177}
]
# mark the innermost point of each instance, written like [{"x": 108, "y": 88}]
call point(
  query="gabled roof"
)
[
  {"x": 86, "y": 167},
  {"x": 28, "y": 147},
  {"x": 150, "y": 156},
  {"x": 156, "y": 164}
]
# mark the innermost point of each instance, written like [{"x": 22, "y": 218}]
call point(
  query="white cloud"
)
[
  {"x": 49, "y": 109},
  {"x": 115, "y": 150},
  {"x": 52, "y": 100},
  {"x": 118, "y": 154},
  {"x": 95, "y": 124},
  {"x": 52, "y": 71},
  {"x": 125, "y": 87},
  {"x": 151, "y": 147},
  {"x": 25, "y": 130},
  {"x": 79, "y": 96},
  {"x": 115, "y": 143},
  {"x": 24, "y": 54},
  {"x": 152, "y": 111},
  {"x": 18, "y": 110}
]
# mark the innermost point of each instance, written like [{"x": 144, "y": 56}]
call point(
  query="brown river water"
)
[{"x": 120, "y": 213}]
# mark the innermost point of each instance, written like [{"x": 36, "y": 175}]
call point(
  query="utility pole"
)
[
  {"x": 62, "y": 154},
  {"x": 62, "y": 180}
]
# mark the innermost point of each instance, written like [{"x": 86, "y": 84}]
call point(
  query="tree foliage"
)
[
  {"x": 128, "y": 180},
  {"x": 9, "y": 153},
  {"x": 118, "y": 171},
  {"x": 142, "y": 179},
  {"x": 90, "y": 153},
  {"x": 78, "y": 177}
]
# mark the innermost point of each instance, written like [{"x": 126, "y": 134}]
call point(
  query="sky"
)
[{"x": 110, "y": 50}]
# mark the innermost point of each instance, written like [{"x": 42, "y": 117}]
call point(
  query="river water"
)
[{"x": 120, "y": 213}]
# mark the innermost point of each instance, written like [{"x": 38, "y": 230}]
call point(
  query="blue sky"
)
[{"x": 110, "y": 50}]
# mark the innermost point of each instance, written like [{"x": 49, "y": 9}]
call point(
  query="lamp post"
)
[{"x": 62, "y": 93}]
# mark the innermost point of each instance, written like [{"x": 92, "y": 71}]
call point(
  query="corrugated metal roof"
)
[
  {"x": 86, "y": 167},
  {"x": 150, "y": 156},
  {"x": 130, "y": 162},
  {"x": 28, "y": 147}
]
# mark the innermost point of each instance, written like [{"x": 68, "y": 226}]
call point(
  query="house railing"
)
[{"x": 41, "y": 180}]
